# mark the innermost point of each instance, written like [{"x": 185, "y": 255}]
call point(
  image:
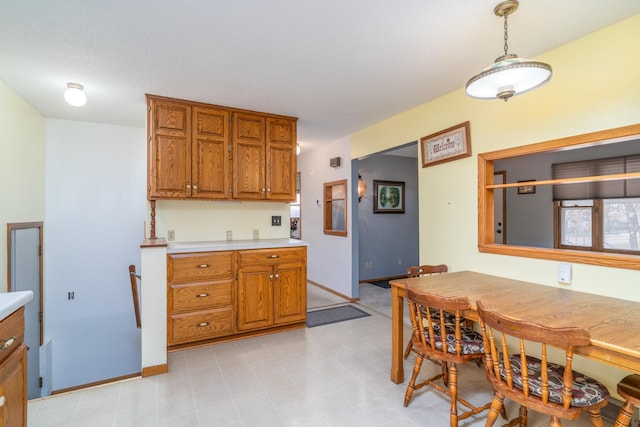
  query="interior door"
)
[
  {"x": 25, "y": 273},
  {"x": 499, "y": 209}
]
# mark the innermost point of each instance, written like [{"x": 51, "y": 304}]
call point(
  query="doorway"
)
[{"x": 24, "y": 271}]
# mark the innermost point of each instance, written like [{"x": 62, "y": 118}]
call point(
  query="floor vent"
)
[{"x": 610, "y": 412}]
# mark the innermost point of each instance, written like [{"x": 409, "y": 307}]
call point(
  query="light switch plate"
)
[
  {"x": 276, "y": 220},
  {"x": 229, "y": 235},
  {"x": 564, "y": 272}
]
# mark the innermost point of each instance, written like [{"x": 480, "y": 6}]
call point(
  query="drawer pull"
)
[
  {"x": 274, "y": 256},
  {"x": 202, "y": 295},
  {"x": 2, "y": 401},
  {"x": 203, "y": 266},
  {"x": 200, "y": 325},
  {"x": 7, "y": 343}
]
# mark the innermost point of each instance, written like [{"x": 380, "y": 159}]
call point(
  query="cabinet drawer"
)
[
  {"x": 269, "y": 256},
  {"x": 11, "y": 333},
  {"x": 199, "y": 266},
  {"x": 199, "y": 296},
  {"x": 201, "y": 325}
]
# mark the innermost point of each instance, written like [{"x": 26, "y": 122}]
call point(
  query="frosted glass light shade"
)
[
  {"x": 74, "y": 95},
  {"x": 507, "y": 77}
]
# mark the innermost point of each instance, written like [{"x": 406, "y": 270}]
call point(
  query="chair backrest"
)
[
  {"x": 501, "y": 363},
  {"x": 133, "y": 277},
  {"x": 426, "y": 270},
  {"x": 431, "y": 325}
]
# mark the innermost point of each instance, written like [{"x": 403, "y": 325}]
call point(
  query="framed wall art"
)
[
  {"x": 388, "y": 196},
  {"x": 449, "y": 144},
  {"x": 526, "y": 189}
]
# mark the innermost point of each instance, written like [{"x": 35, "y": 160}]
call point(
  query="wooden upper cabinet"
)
[
  {"x": 169, "y": 149},
  {"x": 203, "y": 151},
  {"x": 281, "y": 159},
  {"x": 210, "y": 153},
  {"x": 248, "y": 156}
]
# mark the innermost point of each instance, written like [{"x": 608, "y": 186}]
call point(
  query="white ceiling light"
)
[
  {"x": 74, "y": 95},
  {"x": 510, "y": 75}
]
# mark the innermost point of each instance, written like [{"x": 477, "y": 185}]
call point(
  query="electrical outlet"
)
[
  {"x": 276, "y": 220},
  {"x": 256, "y": 234},
  {"x": 171, "y": 235},
  {"x": 229, "y": 235},
  {"x": 564, "y": 273},
  {"x": 399, "y": 261}
]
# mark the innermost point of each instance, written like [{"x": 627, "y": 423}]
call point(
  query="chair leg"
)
[
  {"x": 445, "y": 373},
  {"x": 453, "y": 389},
  {"x": 555, "y": 422},
  {"x": 408, "y": 349},
  {"x": 595, "y": 417},
  {"x": 412, "y": 383},
  {"x": 495, "y": 409},
  {"x": 625, "y": 415},
  {"x": 523, "y": 414}
]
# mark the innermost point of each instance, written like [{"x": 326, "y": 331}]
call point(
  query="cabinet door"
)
[
  {"x": 255, "y": 297},
  {"x": 281, "y": 159},
  {"x": 290, "y": 293},
  {"x": 13, "y": 388},
  {"x": 248, "y": 156},
  {"x": 210, "y": 153},
  {"x": 169, "y": 149}
]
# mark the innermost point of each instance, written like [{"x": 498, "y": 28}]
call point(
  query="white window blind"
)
[{"x": 617, "y": 189}]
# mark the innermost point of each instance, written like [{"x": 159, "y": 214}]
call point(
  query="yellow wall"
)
[
  {"x": 595, "y": 86},
  {"x": 21, "y": 167}
]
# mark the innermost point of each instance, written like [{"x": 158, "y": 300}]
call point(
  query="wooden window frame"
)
[
  {"x": 329, "y": 200},
  {"x": 486, "y": 201}
]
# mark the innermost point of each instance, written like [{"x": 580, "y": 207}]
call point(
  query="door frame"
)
[{"x": 21, "y": 226}]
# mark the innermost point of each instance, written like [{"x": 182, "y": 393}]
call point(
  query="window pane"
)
[
  {"x": 620, "y": 224},
  {"x": 576, "y": 226},
  {"x": 572, "y": 203}
]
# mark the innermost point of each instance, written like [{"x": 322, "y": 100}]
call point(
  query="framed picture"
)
[
  {"x": 449, "y": 144},
  {"x": 388, "y": 196},
  {"x": 526, "y": 189}
]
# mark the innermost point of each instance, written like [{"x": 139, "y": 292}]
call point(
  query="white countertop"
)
[
  {"x": 230, "y": 245},
  {"x": 11, "y": 301}
]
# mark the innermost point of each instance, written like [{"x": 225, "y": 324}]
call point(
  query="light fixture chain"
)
[{"x": 506, "y": 35}]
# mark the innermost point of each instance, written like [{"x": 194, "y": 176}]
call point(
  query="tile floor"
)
[{"x": 331, "y": 376}]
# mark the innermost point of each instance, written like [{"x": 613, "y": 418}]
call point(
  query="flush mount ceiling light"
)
[
  {"x": 509, "y": 75},
  {"x": 74, "y": 95}
]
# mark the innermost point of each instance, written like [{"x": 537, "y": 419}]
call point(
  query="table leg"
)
[{"x": 397, "y": 368}]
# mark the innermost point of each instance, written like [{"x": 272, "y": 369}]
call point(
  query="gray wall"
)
[{"x": 388, "y": 241}]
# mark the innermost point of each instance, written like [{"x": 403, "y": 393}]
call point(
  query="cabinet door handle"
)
[
  {"x": 2, "y": 401},
  {"x": 203, "y": 266},
  {"x": 188, "y": 186},
  {"x": 8, "y": 343},
  {"x": 200, "y": 325},
  {"x": 277, "y": 276},
  {"x": 273, "y": 256},
  {"x": 202, "y": 295},
  {"x": 271, "y": 276}
]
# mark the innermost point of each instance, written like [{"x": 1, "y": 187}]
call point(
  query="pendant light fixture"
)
[
  {"x": 509, "y": 75},
  {"x": 75, "y": 95}
]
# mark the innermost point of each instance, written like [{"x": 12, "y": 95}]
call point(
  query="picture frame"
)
[
  {"x": 450, "y": 144},
  {"x": 388, "y": 196},
  {"x": 527, "y": 189}
]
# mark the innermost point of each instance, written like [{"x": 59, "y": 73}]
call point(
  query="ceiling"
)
[{"x": 338, "y": 66}]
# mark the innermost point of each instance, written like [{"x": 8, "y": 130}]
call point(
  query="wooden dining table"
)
[{"x": 614, "y": 324}]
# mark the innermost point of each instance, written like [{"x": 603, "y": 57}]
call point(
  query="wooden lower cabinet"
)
[
  {"x": 272, "y": 288},
  {"x": 216, "y": 296},
  {"x": 13, "y": 371}
]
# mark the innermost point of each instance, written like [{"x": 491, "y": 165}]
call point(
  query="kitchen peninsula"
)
[{"x": 199, "y": 293}]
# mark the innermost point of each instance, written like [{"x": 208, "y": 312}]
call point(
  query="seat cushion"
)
[
  {"x": 471, "y": 340},
  {"x": 586, "y": 391}
]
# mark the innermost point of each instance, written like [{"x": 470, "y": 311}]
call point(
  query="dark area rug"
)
[
  {"x": 381, "y": 284},
  {"x": 334, "y": 315}
]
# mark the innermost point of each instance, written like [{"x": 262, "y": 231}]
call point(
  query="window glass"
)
[
  {"x": 620, "y": 224},
  {"x": 576, "y": 224}
]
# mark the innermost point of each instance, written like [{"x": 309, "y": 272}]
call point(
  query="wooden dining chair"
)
[
  {"x": 423, "y": 270},
  {"x": 535, "y": 382},
  {"x": 448, "y": 344},
  {"x": 629, "y": 388}
]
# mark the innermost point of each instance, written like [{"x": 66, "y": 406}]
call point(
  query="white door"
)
[
  {"x": 499, "y": 209},
  {"x": 25, "y": 276}
]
